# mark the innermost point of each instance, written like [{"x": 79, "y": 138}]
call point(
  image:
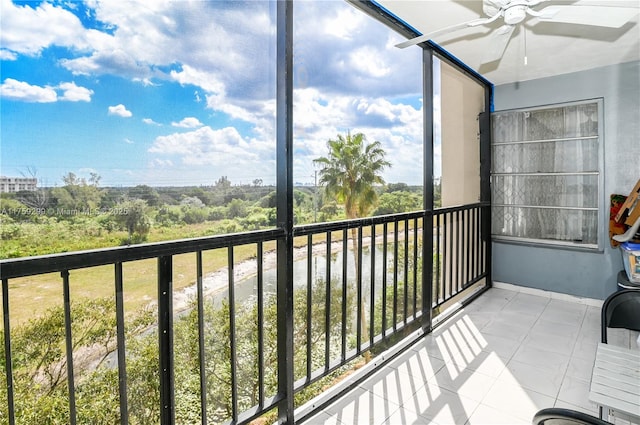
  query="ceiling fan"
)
[{"x": 514, "y": 12}]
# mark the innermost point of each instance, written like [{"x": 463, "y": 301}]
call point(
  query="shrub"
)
[
  {"x": 193, "y": 215},
  {"x": 217, "y": 213},
  {"x": 9, "y": 230},
  {"x": 236, "y": 208},
  {"x": 169, "y": 216}
]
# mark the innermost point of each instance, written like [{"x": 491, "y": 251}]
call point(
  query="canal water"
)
[{"x": 247, "y": 288}]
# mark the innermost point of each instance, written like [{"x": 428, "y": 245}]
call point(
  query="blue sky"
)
[{"x": 181, "y": 93}]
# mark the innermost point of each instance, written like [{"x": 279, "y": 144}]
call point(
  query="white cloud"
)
[
  {"x": 19, "y": 90},
  {"x": 396, "y": 125},
  {"x": 358, "y": 56},
  {"x": 208, "y": 153},
  {"x": 74, "y": 93},
  {"x": 87, "y": 170},
  {"x": 7, "y": 55},
  {"x": 25, "y": 92},
  {"x": 120, "y": 110},
  {"x": 368, "y": 60},
  {"x": 354, "y": 79},
  {"x": 161, "y": 163},
  {"x": 208, "y": 81},
  {"x": 128, "y": 141},
  {"x": 204, "y": 146},
  {"x": 188, "y": 122},
  {"x": 153, "y": 40},
  {"x": 149, "y": 121},
  {"x": 116, "y": 61},
  {"x": 28, "y": 30},
  {"x": 341, "y": 22}
]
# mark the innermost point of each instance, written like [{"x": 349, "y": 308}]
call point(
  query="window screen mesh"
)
[{"x": 545, "y": 173}]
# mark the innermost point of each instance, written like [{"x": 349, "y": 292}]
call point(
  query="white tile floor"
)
[{"x": 500, "y": 360}]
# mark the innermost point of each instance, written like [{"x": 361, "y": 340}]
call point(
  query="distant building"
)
[{"x": 17, "y": 184}]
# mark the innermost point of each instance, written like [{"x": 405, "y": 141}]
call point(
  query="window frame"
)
[{"x": 599, "y": 208}]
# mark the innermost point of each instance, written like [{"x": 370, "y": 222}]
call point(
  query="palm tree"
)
[
  {"x": 349, "y": 175},
  {"x": 350, "y": 172}
]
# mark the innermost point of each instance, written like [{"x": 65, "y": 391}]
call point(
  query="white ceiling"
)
[{"x": 551, "y": 48}]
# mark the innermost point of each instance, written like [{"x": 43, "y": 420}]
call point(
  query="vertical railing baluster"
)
[
  {"x": 446, "y": 261},
  {"x": 372, "y": 298},
  {"x": 309, "y": 302},
  {"x": 474, "y": 230},
  {"x": 327, "y": 307},
  {"x": 469, "y": 243},
  {"x": 486, "y": 239},
  {"x": 405, "y": 265},
  {"x": 384, "y": 279},
  {"x": 165, "y": 340},
  {"x": 201, "y": 339},
  {"x": 232, "y": 334},
  {"x": 345, "y": 258},
  {"x": 462, "y": 261},
  {"x": 260, "y": 306},
  {"x": 69, "y": 346},
  {"x": 8, "y": 362},
  {"x": 486, "y": 260},
  {"x": 438, "y": 257},
  {"x": 478, "y": 243},
  {"x": 481, "y": 265},
  {"x": 463, "y": 250},
  {"x": 453, "y": 254},
  {"x": 415, "y": 267},
  {"x": 395, "y": 276},
  {"x": 120, "y": 335},
  {"x": 360, "y": 321},
  {"x": 459, "y": 252}
]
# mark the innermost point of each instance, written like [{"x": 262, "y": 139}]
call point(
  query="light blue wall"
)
[{"x": 585, "y": 274}]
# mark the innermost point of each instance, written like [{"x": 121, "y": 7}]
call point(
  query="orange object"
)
[
  {"x": 630, "y": 210},
  {"x": 615, "y": 228}
]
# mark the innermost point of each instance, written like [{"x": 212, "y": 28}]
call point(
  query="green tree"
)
[
  {"x": 236, "y": 208},
  {"x": 397, "y": 187},
  {"x": 350, "y": 174},
  {"x": 39, "y": 364},
  {"x": 398, "y": 202},
  {"x": 351, "y": 171},
  {"x": 437, "y": 193},
  {"x": 77, "y": 193},
  {"x": 133, "y": 217},
  {"x": 146, "y": 193}
]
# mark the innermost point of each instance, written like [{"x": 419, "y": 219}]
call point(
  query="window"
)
[{"x": 545, "y": 177}]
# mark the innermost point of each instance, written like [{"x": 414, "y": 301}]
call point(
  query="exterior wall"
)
[
  {"x": 581, "y": 273},
  {"x": 16, "y": 184},
  {"x": 462, "y": 99}
]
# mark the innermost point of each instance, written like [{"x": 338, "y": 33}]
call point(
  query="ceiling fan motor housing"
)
[{"x": 515, "y": 14}]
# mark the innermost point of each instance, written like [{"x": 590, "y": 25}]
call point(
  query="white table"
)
[{"x": 615, "y": 383}]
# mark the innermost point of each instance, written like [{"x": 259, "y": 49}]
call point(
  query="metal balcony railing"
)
[{"x": 358, "y": 286}]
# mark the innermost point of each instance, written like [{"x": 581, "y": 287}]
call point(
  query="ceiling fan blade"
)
[
  {"x": 602, "y": 16},
  {"x": 446, "y": 30},
  {"x": 498, "y": 43}
]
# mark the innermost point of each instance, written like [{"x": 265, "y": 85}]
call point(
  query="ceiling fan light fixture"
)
[{"x": 515, "y": 14}]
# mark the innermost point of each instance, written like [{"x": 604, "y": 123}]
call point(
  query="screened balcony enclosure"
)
[{"x": 294, "y": 308}]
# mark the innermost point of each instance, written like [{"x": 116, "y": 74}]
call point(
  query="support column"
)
[
  {"x": 427, "y": 196},
  {"x": 284, "y": 195}
]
